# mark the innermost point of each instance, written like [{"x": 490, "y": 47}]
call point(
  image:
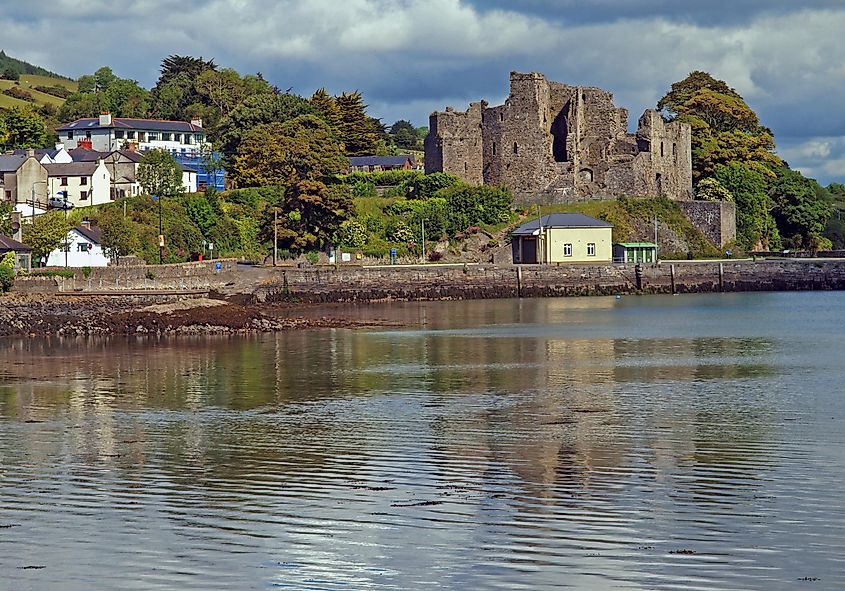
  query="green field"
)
[{"x": 28, "y": 82}]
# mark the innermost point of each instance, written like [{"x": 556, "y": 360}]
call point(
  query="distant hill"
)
[
  {"x": 22, "y": 67},
  {"x": 35, "y": 87}
]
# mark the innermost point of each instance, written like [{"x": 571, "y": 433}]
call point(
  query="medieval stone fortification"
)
[{"x": 555, "y": 142}]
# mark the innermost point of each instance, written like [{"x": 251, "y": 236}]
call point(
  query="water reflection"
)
[{"x": 599, "y": 442}]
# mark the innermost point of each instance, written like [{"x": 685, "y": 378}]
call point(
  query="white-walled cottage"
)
[
  {"x": 85, "y": 183},
  {"x": 84, "y": 249}
]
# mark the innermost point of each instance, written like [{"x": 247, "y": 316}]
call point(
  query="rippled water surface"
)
[{"x": 693, "y": 442}]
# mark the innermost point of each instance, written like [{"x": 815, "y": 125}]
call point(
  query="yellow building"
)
[{"x": 563, "y": 238}]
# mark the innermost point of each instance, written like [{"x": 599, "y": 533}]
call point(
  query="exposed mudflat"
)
[{"x": 44, "y": 315}]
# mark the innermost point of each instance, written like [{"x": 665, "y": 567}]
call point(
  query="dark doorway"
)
[{"x": 560, "y": 132}]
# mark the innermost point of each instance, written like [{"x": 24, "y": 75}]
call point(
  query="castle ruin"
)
[{"x": 559, "y": 143}]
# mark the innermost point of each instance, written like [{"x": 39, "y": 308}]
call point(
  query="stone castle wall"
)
[{"x": 556, "y": 142}]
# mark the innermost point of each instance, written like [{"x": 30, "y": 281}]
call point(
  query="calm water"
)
[{"x": 693, "y": 442}]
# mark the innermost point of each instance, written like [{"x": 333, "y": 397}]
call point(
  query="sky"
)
[{"x": 411, "y": 57}]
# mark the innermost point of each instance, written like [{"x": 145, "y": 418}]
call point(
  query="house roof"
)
[
  {"x": 7, "y": 245},
  {"x": 92, "y": 233},
  {"x": 11, "y": 162},
  {"x": 39, "y": 152},
  {"x": 381, "y": 160},
  {"x": 89, "y": 123},
  {"x": 86, "y": 155},
  {"x": 561, "y": 220},
  {"x": 71, "y": 169}
]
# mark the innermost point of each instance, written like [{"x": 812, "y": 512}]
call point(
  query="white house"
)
[
  {"x": 84, "y": 249},
  {"x": 107, "y": 134},
  {"x": 85, "y": 183}
]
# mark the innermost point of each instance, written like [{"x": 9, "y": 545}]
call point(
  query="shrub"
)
[
  {"x": 364, "y": 189},
  {"x": 7, "y": 272},
  {"x": 18, "y": 93},
  {"x": 376, "y": 248},
  {"x": 353, "y": 233},
  {"x": 312, "y": 256},
  {"x": 58, "y": 91},
  {"x": 435, "y": 256},
  {"x": 398, "y": 231}
]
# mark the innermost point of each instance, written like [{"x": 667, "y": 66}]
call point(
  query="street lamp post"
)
[{"x": 160, "y": 232}]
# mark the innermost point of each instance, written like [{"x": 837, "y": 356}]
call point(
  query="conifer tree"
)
[{"x": 359, "y": 132}]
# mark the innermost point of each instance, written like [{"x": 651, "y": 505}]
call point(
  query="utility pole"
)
[
  {"x": 655, "y": 239},
  {"x": 275, "y": 235},
  {"x": 423, "y": 240}
]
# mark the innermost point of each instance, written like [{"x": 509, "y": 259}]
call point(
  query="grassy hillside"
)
[{"x": 31, "y": 77}]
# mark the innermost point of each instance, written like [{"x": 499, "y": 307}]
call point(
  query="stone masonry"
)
[{"x": 561, "y": 143}]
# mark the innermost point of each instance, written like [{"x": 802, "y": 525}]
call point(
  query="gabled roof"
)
[
  {"x": 381, "y": 160},
  {"x": 11, "y": 162},
  {"x": 561, "y": 220},
  {"x": 7, "y": 244},
  {"x": 39, "y": 152},
  {"x": 86, "y": 155},
  {"x": 90, "y": 123},
  {"x": 71, "y": 168},
  {"x": 92, "y": 233}
]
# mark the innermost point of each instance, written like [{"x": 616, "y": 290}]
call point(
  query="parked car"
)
[{"x": 59, "y": 203}]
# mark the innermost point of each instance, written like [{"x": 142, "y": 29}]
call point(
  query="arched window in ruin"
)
[
  {"x": 515, "y": 148},
  {"x": 501, "y": 115},
  {"x": 586, "y": 175},
  {"x": 661, "y": 149},
  {"x": 675, "y": 151},
  {"x": 494, "y": 148}
]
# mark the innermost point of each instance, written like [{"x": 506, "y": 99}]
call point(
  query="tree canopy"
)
[{"x": 159, "y": 174}]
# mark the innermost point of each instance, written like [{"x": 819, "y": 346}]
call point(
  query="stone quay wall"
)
[
  {"x": 487, "y": 281},
  {"x": 182, "y": 276}
]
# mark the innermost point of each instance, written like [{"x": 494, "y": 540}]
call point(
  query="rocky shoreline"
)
[{"x": 57, "y": 315}]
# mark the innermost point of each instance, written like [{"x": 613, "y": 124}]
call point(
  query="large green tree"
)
[
  {"x": 755, "y": 227},
  {"x": 724, "y": 128},
  {"x": 120, "y": 236},
  {"x": 46, "y": 233},
  {"x": 256, "y": 110},
  {"x": 160, "y": 174},
  {"x": 359, "y": 132},
  {"x": 801, "y": 208},
  {"x": 24, "y": 128}
]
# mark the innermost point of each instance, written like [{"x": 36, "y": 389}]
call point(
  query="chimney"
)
[
  {"x": 85, "y": 223},
  {"x": 105, "y": 119},
  {"x": 60, "y": 146},
  {"x": 132, "y": 146},
  {"x": 196, "y": 122},
  {"x": 30, "y": 153}
]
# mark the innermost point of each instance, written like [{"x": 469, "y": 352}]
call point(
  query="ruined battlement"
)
[{"x": 556, "y": 142}]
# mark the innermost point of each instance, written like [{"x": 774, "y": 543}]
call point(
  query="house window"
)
[
  {"x": 130, "y": 135},
  {"x": 63, "y": 181},
  {"x": 83, "y": 195},
  {"x": 152, "y": 137},
  {"x": 189, "y": 139},
  {"x": 567, "y": 250},
  {"x": 82, "y": 247},
  {"x": 200, "y": 138},
  {"x": 591, "y": 249},
  {"x": 165, "y": 137},
  {"x": 88, "y": 135},
  {"x": 8, "y": 194},
  {"x": 118, "y": 134},
  {"x": 70, "y": 135},
  {"x": 83, "y": 181},
  {"x": 142, "y": 136}
]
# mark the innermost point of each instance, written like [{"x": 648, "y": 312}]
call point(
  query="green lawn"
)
[{"x": 29, "y": 82}]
